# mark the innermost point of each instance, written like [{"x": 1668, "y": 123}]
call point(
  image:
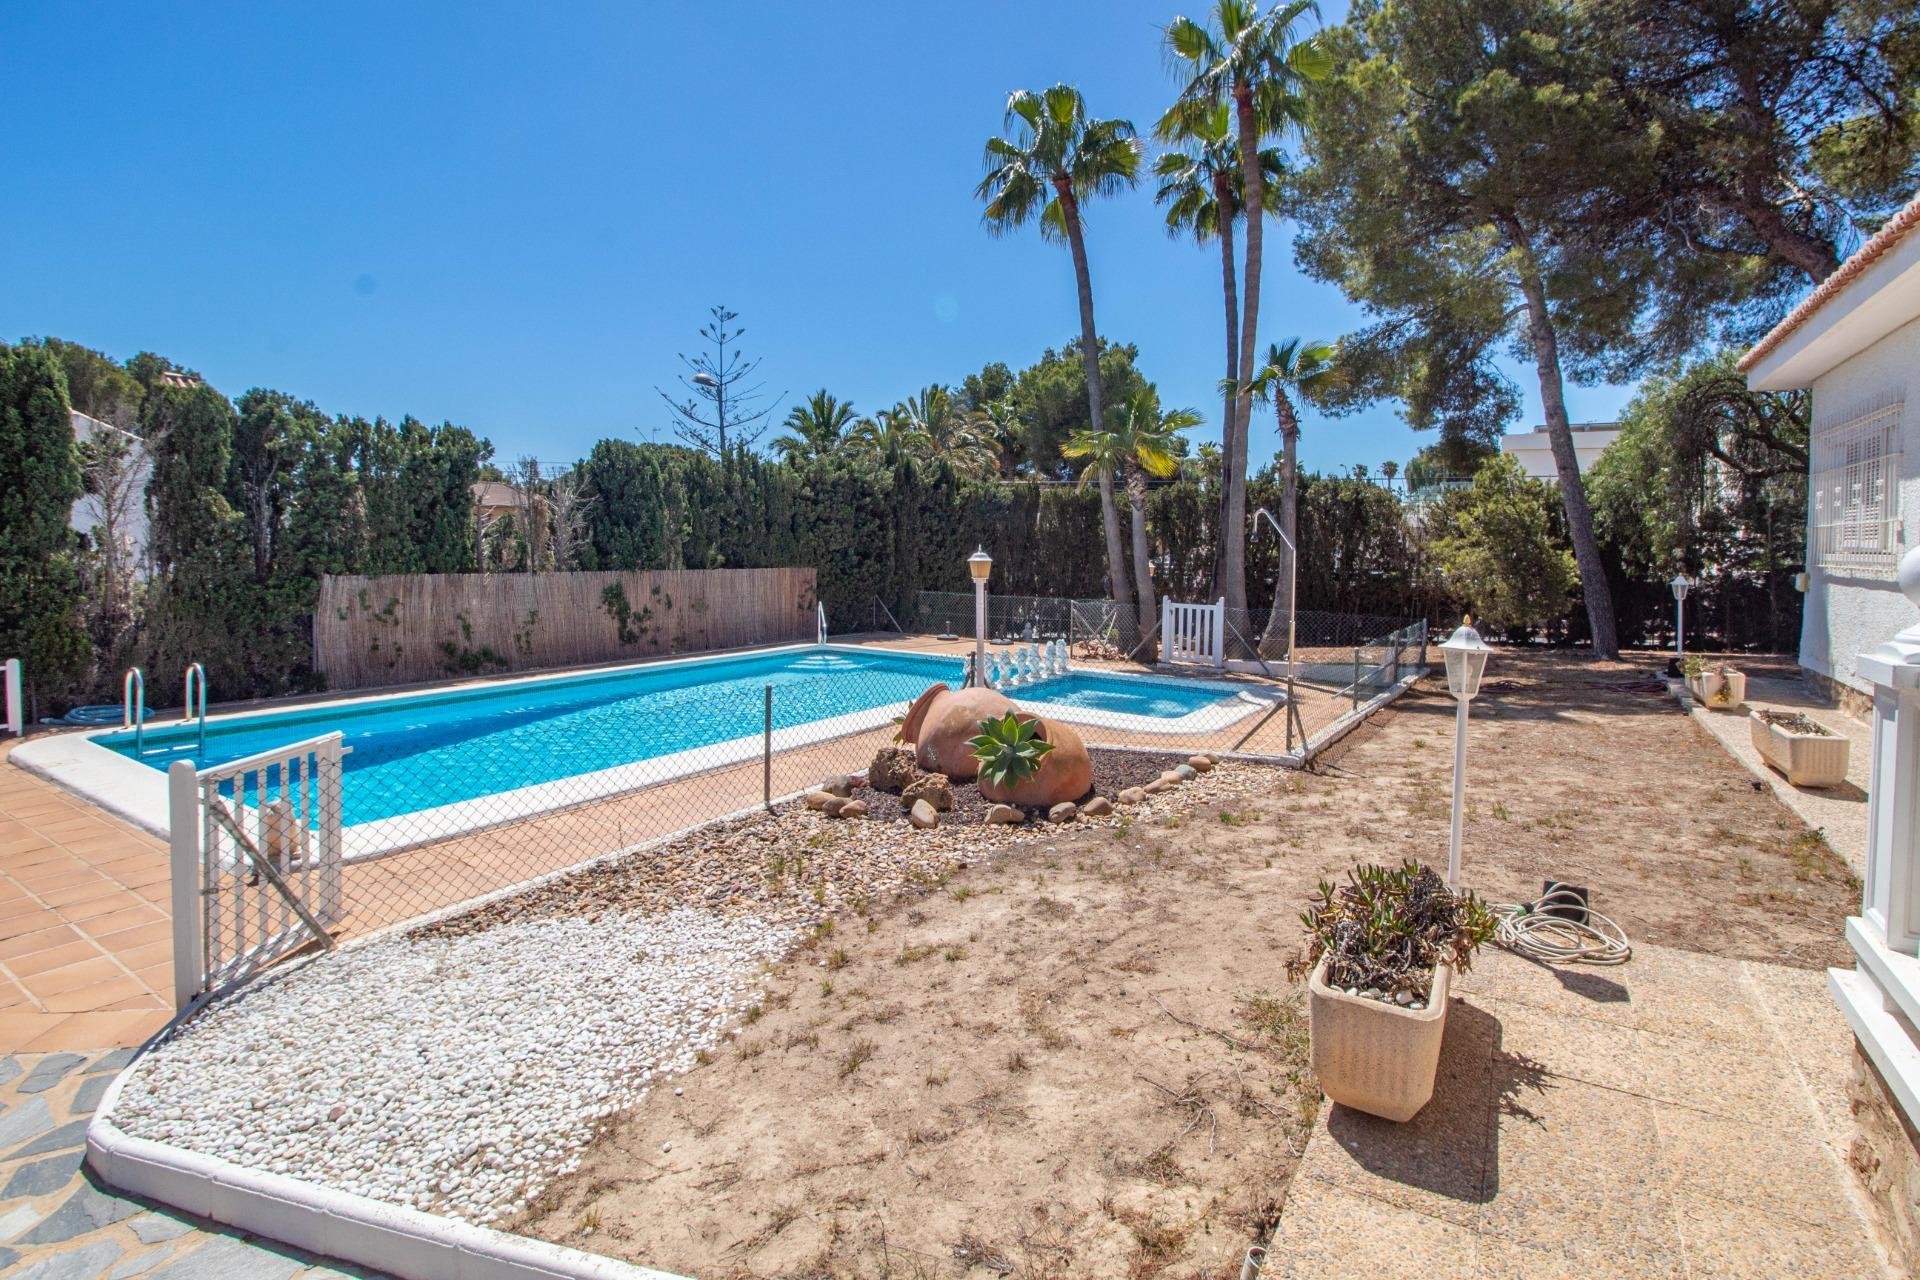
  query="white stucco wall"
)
[
  {"x": 1846, "y": 614},
  {"x": 1533, "y": 450},
  {"x": 85, "y": 516}
]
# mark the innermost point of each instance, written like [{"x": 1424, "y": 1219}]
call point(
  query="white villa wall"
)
[
  {"x": 1848, "y": 613},
  {"x": 85, "y": 516},
  {"x": 1533, "y": 450}
]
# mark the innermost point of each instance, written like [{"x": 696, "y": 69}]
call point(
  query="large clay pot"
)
[
  {"x": 1065, "y": 772},
  {"x": 940, "y": 722}
]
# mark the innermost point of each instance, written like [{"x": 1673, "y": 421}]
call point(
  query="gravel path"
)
[{"x": 452, "y": 1073}]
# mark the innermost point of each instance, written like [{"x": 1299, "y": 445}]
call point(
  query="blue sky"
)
[{"x": 514, "y": 217}]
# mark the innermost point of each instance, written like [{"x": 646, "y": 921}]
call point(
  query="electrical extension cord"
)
[{"x": 1533, "y": 930}]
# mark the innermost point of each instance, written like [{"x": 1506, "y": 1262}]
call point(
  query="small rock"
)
[
  {"x": 923, "y": 815},
  {"x": 1155, "y": 787},
  {"x": 1403, "y": 997},
  {"x": 892, "y": 768},
  {"x": 834, "y": 806},
  {"x": 1006, "y": 815},
  {"x": 820, "y": 799},
  {"x": 841, "y": 786},
  {"x": 1132, "y": 795},
  {"x": 1201, "y": 764},
  {"x": 1065, "y": 811},
  {"x": 1098, "y": 807},
  {"x": 336, "y": 1112},
  {"x": 1185, "y": 772},
  {"x": 851, "y": 809},
  {"x": 932, "y": 788}
]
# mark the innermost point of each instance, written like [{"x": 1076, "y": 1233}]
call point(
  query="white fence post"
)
[
  {"x": 183, "y": 824},
  {"x": 1166, "y": 629},
  {"x": 1220, "y": 632},
  {"x": 16, "y": 705}
]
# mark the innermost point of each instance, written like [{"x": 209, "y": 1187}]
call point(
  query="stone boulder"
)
[
  {"x": 892, "y": 768},
  {"x": 850, "y": 809},
  {"x": 941, "y": 721},
  {"x": 1065, "y": 811},
  {"x": 1098, "y": 807},
  {"x": 933, "y": 788},
  {"x": 922, "y": 815},
  {"x": 1006, "y": 814},
  {"x": 1065, "y": 773}
]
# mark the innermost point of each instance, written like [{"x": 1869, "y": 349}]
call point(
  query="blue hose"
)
[{"x": 98, "y": 713}]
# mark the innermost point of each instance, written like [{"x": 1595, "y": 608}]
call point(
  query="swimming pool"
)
[{"x": 544, "y": 739}]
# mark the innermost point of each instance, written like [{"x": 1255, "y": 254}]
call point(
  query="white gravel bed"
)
[{"x": 457, "y": 1074}]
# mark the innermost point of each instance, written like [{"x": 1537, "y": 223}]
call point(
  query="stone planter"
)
[
  {"x": 1808, "y": 759},
  {"x": 1376, "y": 1057},
  {"x": 1719, "y": 691}
]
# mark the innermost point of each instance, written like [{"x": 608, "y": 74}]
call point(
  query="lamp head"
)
[
  {"x": 1681, "y": 584},
  {"x": 1466, "y": 656},
  {"x": 980, "y": 564}
]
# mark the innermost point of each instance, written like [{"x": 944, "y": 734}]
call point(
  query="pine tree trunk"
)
[
  {"x": 1223, "y": 196},
  {"x": 1142, "y": 554},
  {"x": 1090, "y": 360},
  {"x": 1566, "y": 462}
]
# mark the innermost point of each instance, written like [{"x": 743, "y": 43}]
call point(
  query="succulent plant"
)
[
  {"x": 1387, "y": 928},
  {"x": 1009, "y": 749}
]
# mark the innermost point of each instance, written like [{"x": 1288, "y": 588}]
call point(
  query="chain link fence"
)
[{"x": 429, "y": 799}]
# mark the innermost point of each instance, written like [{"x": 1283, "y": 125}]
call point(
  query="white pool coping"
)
[{"x": 137, "y": 792}]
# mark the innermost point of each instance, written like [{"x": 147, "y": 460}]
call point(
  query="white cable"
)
[{"x": 1529, "y": 929}]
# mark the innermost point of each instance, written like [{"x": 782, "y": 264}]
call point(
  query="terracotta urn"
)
[
  {"x": 942, "y": 719},
  {"x": 1065, "y": 773}
]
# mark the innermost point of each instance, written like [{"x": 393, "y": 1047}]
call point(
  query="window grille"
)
[{"x": 1855, "y": 509}]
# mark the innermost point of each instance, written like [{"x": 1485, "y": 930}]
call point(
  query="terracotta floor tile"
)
[
  {"x": 153, "y": 1000},
  {"x": 18, "y": 1030},
  {"x": 71, "y": 977},
  {"x": 97, "y": 996},
  {"x": 25, "y": 944},
  {"x": 134, "y": 915},
  {"x": 56, "y": 888},
  {"x": 139, "y": 935},
  {"x": 38, "y": 962},
  {"x": 156, "y": 977},
  {"x": 102, "y": 1030},
  {"x": 115, "y": 899},
  {"x": 147, "y": 954}
]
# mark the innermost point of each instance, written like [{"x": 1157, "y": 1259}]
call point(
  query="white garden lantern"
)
[
  {"x": 980, "y": 567},
  {"x": 1681, "y": 584},
  {"x": 1466, "y": 658}
]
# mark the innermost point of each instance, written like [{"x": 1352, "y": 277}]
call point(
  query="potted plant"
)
[
  {"x": 1809, "y": 753},
  {"x": 1382, "y": 950},
  {"x": 1720, "y": 686}
]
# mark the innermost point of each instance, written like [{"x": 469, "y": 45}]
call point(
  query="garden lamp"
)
[
  {"x": 980, "y": 565},
  {"x": 1466, "y": 657},
  {"x": 1681, "y": 584}
]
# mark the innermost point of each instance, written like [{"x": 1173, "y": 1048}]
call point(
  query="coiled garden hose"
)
[{"x": 1559, "y": 928}]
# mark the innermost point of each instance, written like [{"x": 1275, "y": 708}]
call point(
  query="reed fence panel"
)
[{"x": 406, "y": 628}]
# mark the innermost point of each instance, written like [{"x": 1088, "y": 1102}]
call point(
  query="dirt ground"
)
[{"x": 1082, "y": 1058}]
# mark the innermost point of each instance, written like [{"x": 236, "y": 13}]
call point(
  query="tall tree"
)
[
  {"x": 1254, "y": 63},
  {"x": 815, "y": 427},
  {"x": 1291, "y": 368},
  {"x": 39, "y": 482},
  {"x": 1201, "y": 187},
  {"x": 1779, "y": 130},
  {"x": 1056, "y": 157},
  {"x": 951, "y": 433},
  {"x": 715, "y": 412},
  {"x": 1437, "y": 196}
]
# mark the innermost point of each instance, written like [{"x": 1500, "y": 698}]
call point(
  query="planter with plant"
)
[
  {"x": 1030, "y": 762},
  {"x": 1809, "y": 753},
  {"x": 1719, "y": 686},
  {"x": 1382, "y": 950}
]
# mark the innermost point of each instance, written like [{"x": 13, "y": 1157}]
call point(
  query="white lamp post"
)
[
  {"x": 980, "y": 565},
  {"x": 1681, "y": 584},
  {"x": 1466, "y": 656}
]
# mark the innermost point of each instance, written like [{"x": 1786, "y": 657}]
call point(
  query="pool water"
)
[{"x": 411, "y": 752}]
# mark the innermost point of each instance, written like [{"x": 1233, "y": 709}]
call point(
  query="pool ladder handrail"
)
[
  {"x": 196, "y": 679},
  {"x": 133, "y": 706}
]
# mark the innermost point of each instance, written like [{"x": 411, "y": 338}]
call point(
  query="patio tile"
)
[
  {"x": 25, "y": 944},
  {"x": 72, "y": 976},
  {"x": 121, "y": 941},
  {"x": 39, "y": 962},
  {"x": 1327, "y": 1231},
  {"x": 1579, "y": 1174},
  {"x": 1766, "y": 1167},
  {"x": 95, "y": 996},
  {"x": 132, "y": 915},
  {"x": 93, "y": 1030},
  {"x": 147, "y": 954},
  {"x": 1731, "y": 1241}
]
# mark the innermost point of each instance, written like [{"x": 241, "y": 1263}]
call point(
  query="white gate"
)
[
  {"x": 256, "y": 853},
  {"x": 1194, "y": 632}
]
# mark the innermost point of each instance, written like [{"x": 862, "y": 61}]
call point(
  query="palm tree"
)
[
  {"x": 889, "y": 431},
  {"x": 1306, "y": 369},
  {"x": 1389, "y": 469},
  {"x": 949, "y": 433},
  {"x": 814, "y": 428},
  {"x": 1147, "y": 449},
  {"x": 1252, "y": 62},
  {"x": 998, "y": 423},
  {"x": 1056, "y": 157},
  {"x": 1200, "y": 185}
]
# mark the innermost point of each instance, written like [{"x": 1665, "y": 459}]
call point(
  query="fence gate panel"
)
[
  {"x": 1193, "y": 632},
  {"x": 257, "y": 851}
]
